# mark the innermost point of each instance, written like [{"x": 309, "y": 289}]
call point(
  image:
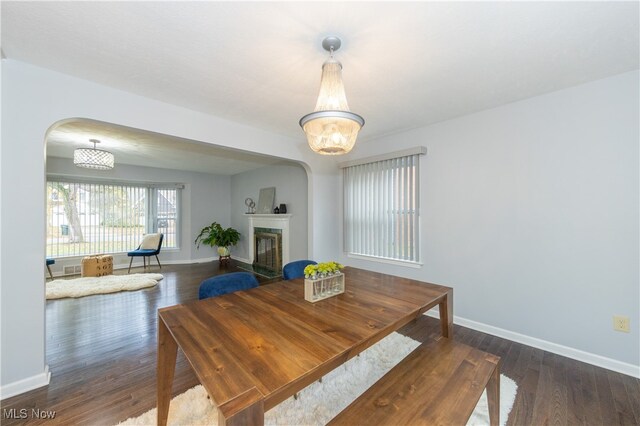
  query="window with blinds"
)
[
  {"x": 381, "y": 209},
  {"x": 88, "y": 218}
]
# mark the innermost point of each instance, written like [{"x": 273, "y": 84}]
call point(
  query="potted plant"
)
[{"x": 215, "y": 235}]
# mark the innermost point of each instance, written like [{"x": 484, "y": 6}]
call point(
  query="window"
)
[
  {"x": 90, "y": 217},
  {"x": 381, "y": 209}
]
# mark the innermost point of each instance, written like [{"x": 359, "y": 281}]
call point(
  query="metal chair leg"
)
[
  {"x": 129, "y": 271},
  {"x": 49, "y": 269},
  {"x": 158, "y": 261}
]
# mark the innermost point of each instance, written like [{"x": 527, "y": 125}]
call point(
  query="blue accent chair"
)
[
  {"x": 50, "y": 262},
  {"x": 296, "y": 269},
  {"x": 226, "y": 283},
  {"x": 146, "y": 252}
]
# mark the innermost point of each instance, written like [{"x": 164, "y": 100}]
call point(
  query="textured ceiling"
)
[
  {"x": 142, "y": 148},
  {"x": 405, "y": 64}
]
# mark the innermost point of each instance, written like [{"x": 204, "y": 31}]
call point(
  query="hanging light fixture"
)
[
  {"x": 331, "y": 129},
  {"x": 92, "y": 158}
]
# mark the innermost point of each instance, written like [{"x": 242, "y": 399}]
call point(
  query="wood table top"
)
[{"x": 268, "y": 343}]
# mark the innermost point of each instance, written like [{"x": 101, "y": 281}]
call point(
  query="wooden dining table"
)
[{"x": 253, "y": 349}]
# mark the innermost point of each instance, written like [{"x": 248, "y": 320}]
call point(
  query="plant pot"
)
[{"x": 223, "y": 251}]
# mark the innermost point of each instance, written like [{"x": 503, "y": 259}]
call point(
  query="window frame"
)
[
  {"x": 417, "y": 243},
  {"x": 151, "y": 224}
]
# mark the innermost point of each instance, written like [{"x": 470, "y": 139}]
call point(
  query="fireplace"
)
[
  {"x": 267, "y": 249},
  {"x": 268, "y": 252}
]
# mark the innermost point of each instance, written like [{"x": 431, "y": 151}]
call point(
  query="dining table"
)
[{"x": 253, "y": 349}]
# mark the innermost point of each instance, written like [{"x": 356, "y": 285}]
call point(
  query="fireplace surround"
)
[{"x": 277, "y": 224}]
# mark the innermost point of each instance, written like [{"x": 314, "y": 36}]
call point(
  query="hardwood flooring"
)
[{"x": 101, "y": 351}]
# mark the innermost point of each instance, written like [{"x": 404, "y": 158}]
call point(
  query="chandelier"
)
[
  {"x": 331, "y": 129},
  {"x": 92, "y": 158}
]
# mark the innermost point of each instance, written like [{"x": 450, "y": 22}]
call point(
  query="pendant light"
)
[
  {"x": 331, "y": 129},
  {"x": 92, "y": 158}
]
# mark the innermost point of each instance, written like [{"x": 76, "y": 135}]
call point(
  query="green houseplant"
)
[{"x": 215, "y": 235}]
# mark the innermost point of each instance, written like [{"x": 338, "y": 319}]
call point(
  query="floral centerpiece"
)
[
  {"x": 322, "y": 270},
  {"x": 323, "y": 280}
]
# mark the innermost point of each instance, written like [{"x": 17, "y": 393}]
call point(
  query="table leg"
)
[
  {"x": 493, "y": 397},
  {"x": 446, "y": 314},
  {"x": 167, "y": 352},
  {"x": 246, "y": 409}
]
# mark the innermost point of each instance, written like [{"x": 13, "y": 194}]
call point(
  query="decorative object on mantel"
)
[
  {"x": 331, "y": 129},
  {"x": 251, "y": 206},
  {"x": 266, "y": 199},
  {"x": 276, "y": 210},
  {"x": 283, "y": 209},
  {"x": 93, "y": 158},
  {"x": 215, "y": 235},
  {"x": 322, "y": 281}
]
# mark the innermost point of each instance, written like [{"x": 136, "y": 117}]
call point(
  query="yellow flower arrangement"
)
[{"x": 322, "y": 269}]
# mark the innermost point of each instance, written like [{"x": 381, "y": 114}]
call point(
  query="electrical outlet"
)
[{"x": 621, "y": 323}]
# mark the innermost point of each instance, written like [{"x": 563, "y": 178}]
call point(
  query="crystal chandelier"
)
[
  {"x": 92, "y": 158},
  {"x": 331, "y": 129}
]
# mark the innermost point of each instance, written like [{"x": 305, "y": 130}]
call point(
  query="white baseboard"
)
[
  {"x": 138, "y": 265},
  {"x": 577, "y": 354},
  {"x": 240, "y": 259},
  {"x": 168, "y": 262},
  {"x": 25, "y": 385},
  {"x": 189, "y": 261}
]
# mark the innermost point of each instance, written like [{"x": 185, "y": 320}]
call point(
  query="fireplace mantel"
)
[{"x": 276, "y": 221}]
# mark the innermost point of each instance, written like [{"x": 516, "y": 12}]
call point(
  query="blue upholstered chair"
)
[
  {"x": 226, "y": 283},
  {"x": 150, "y": 246},
  {"x": 296, "y": 269},
  {"x": 50, "y": 262}
]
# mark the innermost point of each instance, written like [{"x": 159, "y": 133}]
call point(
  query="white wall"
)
[
  {"x": 32, "y": 100},
  {"x": 205, "y": 196},
  {"x": 530, "y": 212},
  {"x": 290, "y": 181}
]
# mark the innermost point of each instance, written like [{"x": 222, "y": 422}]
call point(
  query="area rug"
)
[
  {"x": 79, "y": 287},
  {"x": 320, "y": 402}
]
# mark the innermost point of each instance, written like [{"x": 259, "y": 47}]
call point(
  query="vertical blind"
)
[
  {"x": 88, "y": 218},
  {"x": 381, "y": 209}
]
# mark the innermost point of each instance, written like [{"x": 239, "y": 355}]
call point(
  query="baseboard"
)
[
  {"x": 168, "y": 262},
  {"x": 577, "y": 354},
  {"x": 240, "y": 259},
  {"x": 189, "y": 261},
  {"x": 25, "y": 385},
  {"x": 137, "y": 265}
]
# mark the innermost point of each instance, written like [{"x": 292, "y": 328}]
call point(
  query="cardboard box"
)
[{"x": 97, "y": 266}]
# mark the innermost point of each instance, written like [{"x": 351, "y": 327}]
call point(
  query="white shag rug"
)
[
  {"x": 86, "y": 286},
  {"x": 320, "y": 402}
]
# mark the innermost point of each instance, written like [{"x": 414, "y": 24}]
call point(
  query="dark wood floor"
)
[{"x": 101, "y": 351}]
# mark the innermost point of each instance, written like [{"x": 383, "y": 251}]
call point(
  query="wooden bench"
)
[{"x": 439, "y": 383}]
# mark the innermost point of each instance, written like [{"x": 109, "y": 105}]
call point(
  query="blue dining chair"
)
[
  {"x": 49, "y": 263},
  {"x": 296, "y": 269},
  {"x": 226, "y": 283},
  {"x": 146, "y": 249}
]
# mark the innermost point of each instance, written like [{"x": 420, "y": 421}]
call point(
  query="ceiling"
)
[
  {"x": 406, "y": 65},
  {"x": 143, "y": 148}
]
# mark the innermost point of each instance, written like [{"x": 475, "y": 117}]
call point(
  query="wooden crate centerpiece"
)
[
  {"x": 323, "y": 287},
  {"x": 322, "y": 281}
]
